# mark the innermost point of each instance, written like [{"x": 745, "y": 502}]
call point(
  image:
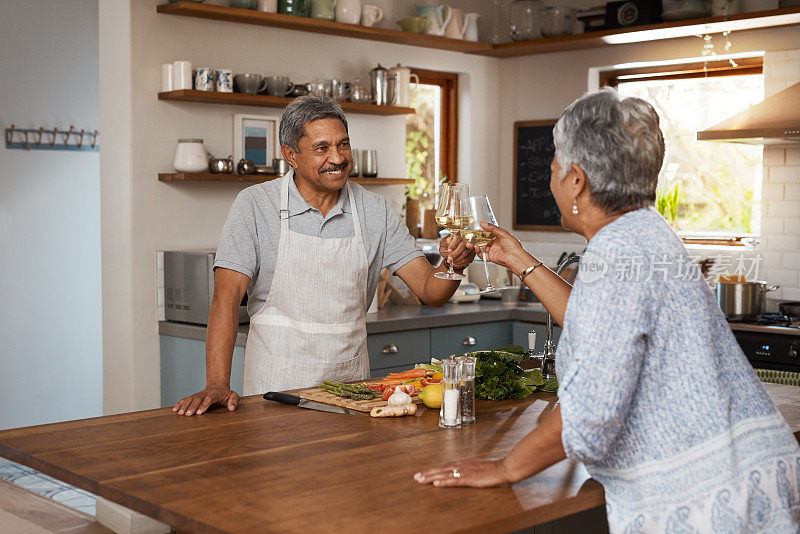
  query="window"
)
[
  {"x": 432, "y": 133},
  {"x": 719, "y": 184}
]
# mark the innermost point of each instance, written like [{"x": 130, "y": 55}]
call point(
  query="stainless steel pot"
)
[
  {"x": 743, "y": 300},
  {"x": 220, "y": 165}
]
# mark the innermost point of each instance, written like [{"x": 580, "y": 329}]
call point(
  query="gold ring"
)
[{"x": 456, "y": 473}]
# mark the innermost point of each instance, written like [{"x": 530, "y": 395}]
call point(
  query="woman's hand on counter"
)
[
  {"x": 203, "y": 400},
  {"x": 473, "y": 473}
]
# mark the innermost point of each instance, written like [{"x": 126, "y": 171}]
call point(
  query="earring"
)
[{"x": 575, "y": 207}]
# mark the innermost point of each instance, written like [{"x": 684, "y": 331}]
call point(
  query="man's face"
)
[{"x": 324, "y": 159}]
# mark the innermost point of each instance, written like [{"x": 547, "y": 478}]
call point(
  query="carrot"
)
[{"x": 411, "y": 373}]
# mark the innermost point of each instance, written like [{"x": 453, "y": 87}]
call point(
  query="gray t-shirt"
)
[{"x": 249, "y": 241}]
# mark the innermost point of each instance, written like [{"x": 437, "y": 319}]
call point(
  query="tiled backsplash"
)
[{"x": 780, "y": 228}]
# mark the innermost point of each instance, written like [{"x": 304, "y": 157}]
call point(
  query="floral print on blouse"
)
[{"x": 659, "y": 402}]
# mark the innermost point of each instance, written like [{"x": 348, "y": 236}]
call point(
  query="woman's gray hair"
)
[
  {"x": 618, "y": 144},
  {"x": 303, "y": 110}
]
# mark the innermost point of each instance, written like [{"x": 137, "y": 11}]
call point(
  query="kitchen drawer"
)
[
  {"x": 402, "y": 349},
  {"x": 469, "y": 337},
  {"x": 521, "y": 330}
]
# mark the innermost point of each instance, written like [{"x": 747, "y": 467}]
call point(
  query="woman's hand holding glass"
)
[{"x": 504, "y": 249}]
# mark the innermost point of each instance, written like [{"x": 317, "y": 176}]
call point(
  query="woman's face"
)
[{"x": 559, "y": 187}]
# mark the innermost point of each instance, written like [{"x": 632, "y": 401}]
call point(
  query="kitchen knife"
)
[{"x": 294, "y": 400}]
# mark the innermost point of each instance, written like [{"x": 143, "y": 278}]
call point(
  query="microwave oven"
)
[{"x": 189, "y": 287}]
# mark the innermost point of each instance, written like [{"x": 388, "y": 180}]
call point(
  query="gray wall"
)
[{"x": 50, "y": 318}]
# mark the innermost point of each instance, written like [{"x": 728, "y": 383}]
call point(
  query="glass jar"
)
[
  {"x": 525, "y": 19},
  {"x": 450, "y": 413}
]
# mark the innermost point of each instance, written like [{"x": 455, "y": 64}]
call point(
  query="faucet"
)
[{"x": 549, "y": 353}]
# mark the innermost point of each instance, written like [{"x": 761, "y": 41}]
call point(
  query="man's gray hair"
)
[
  {"x": 618, "y": 144},
  {"x": 303, "y": 110}
]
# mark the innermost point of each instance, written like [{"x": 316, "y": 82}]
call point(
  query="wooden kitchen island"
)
[{"x": 274, "y": 468}]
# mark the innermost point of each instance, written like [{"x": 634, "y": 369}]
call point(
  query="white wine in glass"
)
[
  {"x": 480, "y": 210},
  {"x": 451, "y": 213}
]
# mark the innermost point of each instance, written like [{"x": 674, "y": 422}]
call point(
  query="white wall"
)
[
  {"x": 50, "y": 323},
  {"x": 160, "y": 216}
]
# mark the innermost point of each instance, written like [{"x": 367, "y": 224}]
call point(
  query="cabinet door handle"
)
[
  {"x": 469, "y": 341},
  {"x": 389, "y": 349}
]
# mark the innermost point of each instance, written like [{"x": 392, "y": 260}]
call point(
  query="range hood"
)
[{"x": 774, "y": 122}]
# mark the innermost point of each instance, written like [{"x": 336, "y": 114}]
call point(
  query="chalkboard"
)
[{"x": 534, "y": 205}]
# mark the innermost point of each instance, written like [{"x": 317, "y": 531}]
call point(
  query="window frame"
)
[
  {"x": 448, "y": 82},
  {"x": 752, "y": 65}
]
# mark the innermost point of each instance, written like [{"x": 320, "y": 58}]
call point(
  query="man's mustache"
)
[{"x": 334, "y": 168}]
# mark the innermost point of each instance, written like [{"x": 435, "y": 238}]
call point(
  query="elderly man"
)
[{"x": 308, "y": 249}]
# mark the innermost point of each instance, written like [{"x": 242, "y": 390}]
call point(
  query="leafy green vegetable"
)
[{"x": 498, "y": 374}]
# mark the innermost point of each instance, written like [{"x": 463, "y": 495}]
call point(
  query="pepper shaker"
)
[{"x": 467, "y": 389}]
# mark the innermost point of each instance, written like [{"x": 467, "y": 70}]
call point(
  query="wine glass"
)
[
  {"x": 451, "y": 214},
  {"x": 479, "y": 209}
]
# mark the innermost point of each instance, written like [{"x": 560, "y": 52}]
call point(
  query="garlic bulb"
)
[{"x": 399, "y": 397}]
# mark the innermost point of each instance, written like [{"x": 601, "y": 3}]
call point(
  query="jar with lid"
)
[
  {"x": 525, "y": 19},
  {"x": 190, "y": 156}
]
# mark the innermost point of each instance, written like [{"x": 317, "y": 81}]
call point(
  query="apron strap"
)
[
  {"x": 284, "y": 213},
  {"x": 356, "y": 222}
]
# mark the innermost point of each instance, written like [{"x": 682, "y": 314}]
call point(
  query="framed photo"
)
[{"x": 255, "y": 137}]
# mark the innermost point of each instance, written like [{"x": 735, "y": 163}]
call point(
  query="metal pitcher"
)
[{"x": 379, "y": 79}]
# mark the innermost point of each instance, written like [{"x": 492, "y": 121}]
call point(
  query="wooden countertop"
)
[{"x": 270, "y": 467}]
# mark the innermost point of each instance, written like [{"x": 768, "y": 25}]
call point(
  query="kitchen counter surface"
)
[
  {"x": 398, "y": 318},
  {"x": 271, "y": 467}
]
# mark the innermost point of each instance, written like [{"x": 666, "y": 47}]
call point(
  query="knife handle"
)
[{"x": 283, "y": 398}]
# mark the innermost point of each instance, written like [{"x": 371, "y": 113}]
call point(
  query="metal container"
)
[
  {"x": 743, "y": 300},
  {"x": 356, "y": 169},
  {"x": 220, "y": 165},
  {"x": 379, "y": 79},
  {"x": 369, "y": 163}
]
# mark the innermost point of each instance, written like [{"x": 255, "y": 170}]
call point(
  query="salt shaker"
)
[
  {"x": 450, "y": 413},
  {"x": 467, "y": 389}
]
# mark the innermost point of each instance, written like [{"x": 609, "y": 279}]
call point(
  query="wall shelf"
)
[
  {"x": 277, "y": 20},
  {"x": 266, "y": 101},
  {"x": 653, "y": 32},
  {"x": 256, "y": 178},
  {"x": 596, "y": 39}
]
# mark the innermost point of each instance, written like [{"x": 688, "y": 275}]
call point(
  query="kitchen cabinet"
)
[
  {"x": 183, "y": 368},
  {"x": 397, "y": 351},
  {"x": 469, "y": 337}
]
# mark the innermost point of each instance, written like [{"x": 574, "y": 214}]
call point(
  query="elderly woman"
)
[{"x": 656, "y": 398}]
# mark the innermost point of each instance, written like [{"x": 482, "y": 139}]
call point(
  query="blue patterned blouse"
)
[{"x": 657, "y": 399}]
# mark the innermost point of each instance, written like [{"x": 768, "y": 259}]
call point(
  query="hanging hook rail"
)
[{"x": 31, "y": 139}]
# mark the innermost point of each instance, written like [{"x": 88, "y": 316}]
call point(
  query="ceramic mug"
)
[
  {"x": 166, "y": 77},
  {"x": 268, "y": 6},
  {"x": 203, "y": 79},
  {"x": 182, "y": 75},
  {"x": 323, "y": 9},
  {"x": 224, "y": 80},
  {"x": 278, "y": 85},
  {"x": 293, "y": 7},
  {"x": 371, "y": 15},
  {"x": 348, "y": 11}
]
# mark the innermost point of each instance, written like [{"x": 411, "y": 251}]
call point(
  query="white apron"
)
[{"x": 312, "y": 326}]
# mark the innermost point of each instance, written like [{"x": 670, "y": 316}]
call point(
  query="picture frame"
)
[{"x": 255, "y": 137}]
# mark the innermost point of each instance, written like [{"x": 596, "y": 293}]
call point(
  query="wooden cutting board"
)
[{"x": 320, "y": 395}]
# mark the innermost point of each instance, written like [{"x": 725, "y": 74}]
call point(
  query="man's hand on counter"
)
[
  {"x": 474, "y": 473},
  {"x": 203, "y": 400}
]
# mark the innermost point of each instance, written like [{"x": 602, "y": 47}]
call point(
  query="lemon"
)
[{"x": 432, "y": 395}]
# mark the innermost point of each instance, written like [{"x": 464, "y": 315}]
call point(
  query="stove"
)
[{"x": 771, "y": 342}]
